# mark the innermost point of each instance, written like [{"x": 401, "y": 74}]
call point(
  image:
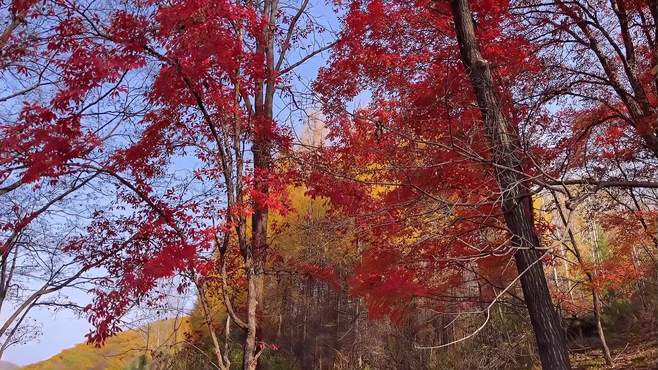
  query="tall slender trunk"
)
[
  {"x": 254, "y": 294},
  {"x": 254, "y": 265},
  {"x": 255, "y": 257},
  {"x": 207, "y": 319},
  {"x": 596, "y": 301},
  {"x": 263, "y": 165},
  {"x": 516, "y": 200}
]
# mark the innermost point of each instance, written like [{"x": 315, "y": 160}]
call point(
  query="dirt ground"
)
[{"x": 633, "y": 351}]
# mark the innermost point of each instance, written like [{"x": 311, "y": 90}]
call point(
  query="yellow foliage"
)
[
  {"x": 308, "y": 232},
  {"x": 120, "y": 351},
  {"x": 538, "y": 206}
]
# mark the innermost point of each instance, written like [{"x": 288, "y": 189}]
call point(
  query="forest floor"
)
[{"x": 632, "y": 351}]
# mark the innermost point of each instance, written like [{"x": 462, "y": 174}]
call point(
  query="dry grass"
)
[{"x": 636, "y": 351}]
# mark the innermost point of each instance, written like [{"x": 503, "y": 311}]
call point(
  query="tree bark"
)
[
  {"x": 207, "y": 318},
  {"x": 516, "y": 200},
  {"x": 254, "y": 293},
  {"x": 263, "y": 165},
  {"x": 599, "y": 327}
]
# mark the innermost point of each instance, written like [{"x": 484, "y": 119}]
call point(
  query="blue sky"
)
[
  {"x": 60, "y": 330},
  {"x": 63, "y": 329}
]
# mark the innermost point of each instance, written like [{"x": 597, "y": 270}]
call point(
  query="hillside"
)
[
  {"x": 4, "y": 365},
  {"x": 119, "y": 352}
]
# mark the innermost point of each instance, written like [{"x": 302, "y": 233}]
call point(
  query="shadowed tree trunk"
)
[{"x": 516, "y": 200}]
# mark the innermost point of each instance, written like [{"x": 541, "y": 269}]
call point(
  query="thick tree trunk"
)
[{"x": 516, "y": 201}]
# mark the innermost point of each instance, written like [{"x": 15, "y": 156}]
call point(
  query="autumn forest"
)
[{"x": 330, "y": 184}]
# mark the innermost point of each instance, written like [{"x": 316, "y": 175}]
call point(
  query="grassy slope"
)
[{"x": 119, "y": 352}]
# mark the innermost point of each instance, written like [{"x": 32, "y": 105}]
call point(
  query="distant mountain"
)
[
  {"x": 4, "y": 365},
  {"x": 119, "y": 352}
]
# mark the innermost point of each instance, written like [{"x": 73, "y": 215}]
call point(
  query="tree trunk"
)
[
  {"x": 599, "y": 328},
  {"x": 255, "y": 256},
  {"x": 516, "y": 201},
  {"x": 262, "y": 152},
  {"x": 596, "y": 301},
  {"x": 254, "y": 293},
  {"x": 254, "y": 264},
  {"x": 207, "y": 319}
]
